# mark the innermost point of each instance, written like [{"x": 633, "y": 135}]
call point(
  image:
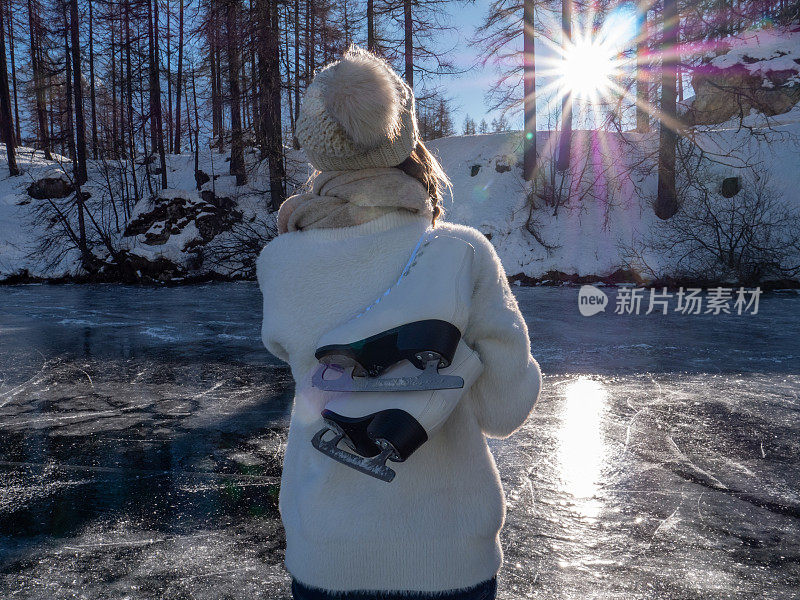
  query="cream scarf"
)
[{"x": 347, "y": 198}]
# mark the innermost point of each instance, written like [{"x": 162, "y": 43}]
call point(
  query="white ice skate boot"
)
[
  {"x": 419, "y": 320},
  {"x": 377, "y": 426}
]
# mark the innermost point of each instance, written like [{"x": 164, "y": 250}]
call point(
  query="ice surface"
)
[{"x": 661, "y": 462}]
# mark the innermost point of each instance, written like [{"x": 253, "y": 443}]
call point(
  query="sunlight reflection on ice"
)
[{"x": 581, "y": 447}]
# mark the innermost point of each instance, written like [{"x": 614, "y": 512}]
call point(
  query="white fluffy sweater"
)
[{"x": 436, "y": 526}]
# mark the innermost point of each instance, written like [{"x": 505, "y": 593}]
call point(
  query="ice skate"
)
[
  {"x": 365, "y": 430},
  {"x": 417, "y": 321}
]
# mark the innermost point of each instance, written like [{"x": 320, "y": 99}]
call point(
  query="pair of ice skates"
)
[{"x": 400, "y": 366}]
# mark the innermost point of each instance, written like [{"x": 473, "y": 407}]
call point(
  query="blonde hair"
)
[{"x": 423, "y": 166}]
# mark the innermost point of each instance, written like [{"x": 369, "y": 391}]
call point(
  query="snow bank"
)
[
  {"x": 763, "y": 52},
  {"x": 589, "y": 237}
]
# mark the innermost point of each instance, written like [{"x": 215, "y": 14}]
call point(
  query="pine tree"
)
[
  {"x": 469, "y": 126},
  {"x": 499, "y": 124}
]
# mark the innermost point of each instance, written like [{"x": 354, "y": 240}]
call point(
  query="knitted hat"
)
[{"x": 357, "y": 114}]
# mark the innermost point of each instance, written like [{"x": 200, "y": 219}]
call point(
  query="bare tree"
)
[
  {"x": 529, "y": 91},
  {"x": 666, "y": 204},
  {"x": 177, "y": 141},
  {"x": 77, "y": 87},
  {"x": 642, "y": 80},
  {"x": 156, "y": 122},
  {"x": 232, "y": 44},
  {"x": 5, "y": 102},
  {"x": 34, "y": 34},
  {"x": 565, "y": 140}
]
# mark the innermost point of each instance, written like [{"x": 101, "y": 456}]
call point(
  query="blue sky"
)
[{"x": 468, "y": 91}]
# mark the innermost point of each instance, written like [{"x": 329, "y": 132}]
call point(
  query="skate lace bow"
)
[{"x": 423, "y": 241}]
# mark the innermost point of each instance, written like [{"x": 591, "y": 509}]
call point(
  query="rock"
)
[
  {"x": 504, "y": 162},
  {"x": 730, "y": 187},
  {"x": 474, "y": 170},
  {"x": 172, "y": 211},
  {"x": 54, "y": 185},
  {"x": 201, "y": 177},
  {"x": 721, "y": 94},
  {"x": 138, "y": 269},
  {"x": 762, "y": 73}
]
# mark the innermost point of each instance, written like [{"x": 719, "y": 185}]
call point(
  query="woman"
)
[{"x": 434, "y": 532}]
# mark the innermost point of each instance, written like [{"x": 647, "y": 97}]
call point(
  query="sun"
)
[{"x": 588, "y": 69}]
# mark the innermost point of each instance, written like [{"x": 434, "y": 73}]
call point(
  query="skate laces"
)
[{"x": 411, "y": 262}]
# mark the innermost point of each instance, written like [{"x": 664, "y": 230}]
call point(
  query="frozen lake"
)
[{"x": 141, "y": 431}]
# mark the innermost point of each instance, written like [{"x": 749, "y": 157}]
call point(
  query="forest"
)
[{"x": 114, "y": 91}]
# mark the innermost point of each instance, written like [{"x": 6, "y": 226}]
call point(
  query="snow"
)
[
  {"x": 588, "y": 235},
  {"x": 605, "y": 206},
  {"x": 762, "y": 52}
]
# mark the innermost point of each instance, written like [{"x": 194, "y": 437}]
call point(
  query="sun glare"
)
[{"x": 589, "y": 68}]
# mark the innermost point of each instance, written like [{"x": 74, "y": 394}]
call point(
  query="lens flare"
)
[{"x": 589, "y": 68}]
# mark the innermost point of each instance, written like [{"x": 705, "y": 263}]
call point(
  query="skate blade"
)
[
  {"x": 374, "y": 467},
  {"x": 429, "y": 379}
]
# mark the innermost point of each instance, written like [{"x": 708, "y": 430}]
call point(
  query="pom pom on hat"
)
[{"x": 360, "y": 92}]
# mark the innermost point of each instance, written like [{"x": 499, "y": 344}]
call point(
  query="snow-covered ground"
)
[
  {"x": 603, "y": 206},
  {"x": 762, "y": 53},
  {"x": 587, "y": 235}
]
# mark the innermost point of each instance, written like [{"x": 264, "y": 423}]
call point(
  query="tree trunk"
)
[
  {"x": 196, "y": 133},
  {"x": 5, "y": 103},
  {"x": 529, "y": 91},
  {"x": 69, "y": 137},
  {"x": 177, "y": 142},
  {"x": 565, "y": 140},
  {"x": 289, "y": 99},
  {"x": 129, "y": 89},
  {"x": 371, "y": 25},
  {"x": 170, "y": 131},
  {"x": 156, "y": 122},
  {"x": 296, "y": 58},
  {"x": 212, "y": 61},
  {"x": 80, "y": 121},
  {"x": 666, "y": 204},
  {"x": 254, "y": 92},
  {"x": 14, "y": 75},
  {"x": 408, "y": 37},
  {"x": 220, "y": 97},
  {"x": 312, "y": 40},
  {"x": 91, "y": 82},
  {"x": 38, "y": 87},
  {"x": 270, "y": 86},
  {"x": 642, "y": 79},
  {"x": 237, "y": 167},
  {"x": 114, "y": 131}
]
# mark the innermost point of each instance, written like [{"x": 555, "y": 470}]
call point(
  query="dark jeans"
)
[{"x": 483, "y": 591}]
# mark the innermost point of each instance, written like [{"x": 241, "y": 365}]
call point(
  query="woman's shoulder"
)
[
  {"x": 276, "y": 252},
  {"x": 469, "y": 234},
  {"x": 488, "y": 263}
]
